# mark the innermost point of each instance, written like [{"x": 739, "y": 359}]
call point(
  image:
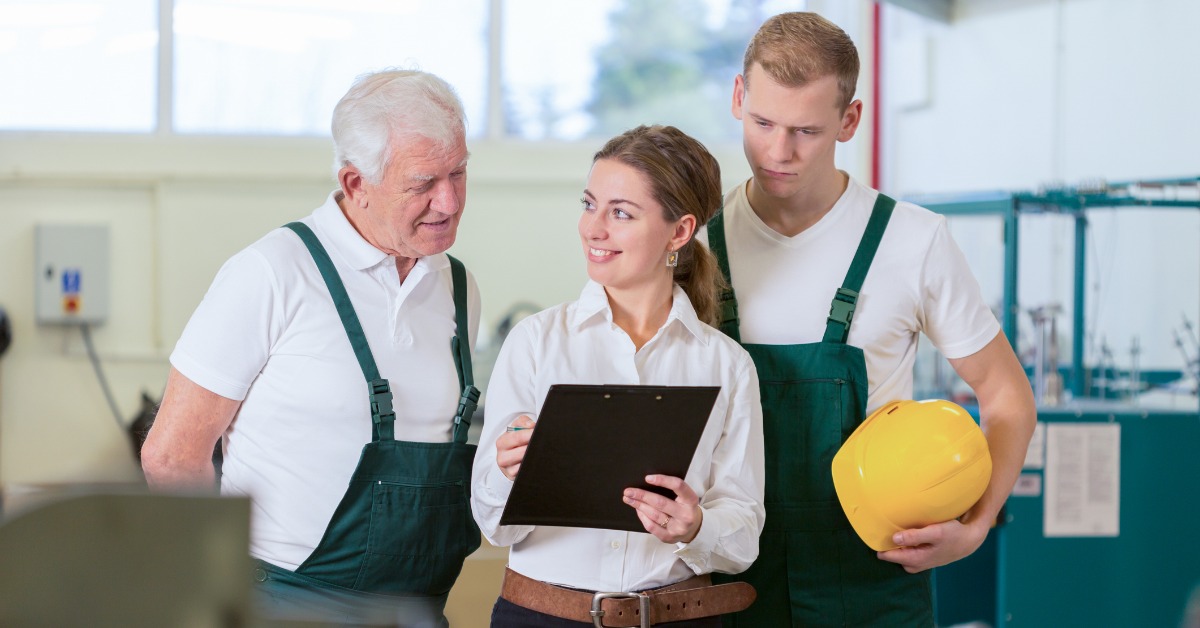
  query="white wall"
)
[
  {"x": 1019, "y": 94},
  {"x": 177, "y": 208}
]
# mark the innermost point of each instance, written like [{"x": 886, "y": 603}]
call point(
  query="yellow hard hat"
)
[{"x": 909, "y": 465}]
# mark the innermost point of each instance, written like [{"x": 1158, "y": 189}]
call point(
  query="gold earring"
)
[{"x": 673, "y": 259}]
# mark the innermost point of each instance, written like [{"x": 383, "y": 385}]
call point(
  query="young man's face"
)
[{"x": 789, "y": 133}]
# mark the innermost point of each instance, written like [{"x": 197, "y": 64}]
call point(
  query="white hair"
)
[{"x": 391, "y": 106}]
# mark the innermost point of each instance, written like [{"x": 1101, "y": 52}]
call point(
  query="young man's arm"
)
[
  {"x": 179, "y": 449},
  {"x": 1008, "y": 416}
]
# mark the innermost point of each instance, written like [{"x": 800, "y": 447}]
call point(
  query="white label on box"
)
[
  {"x": 1028, "y": 485},
  {"x": 1035, "y": 455}
]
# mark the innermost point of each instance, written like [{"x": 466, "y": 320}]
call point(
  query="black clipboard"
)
[{"x": 593, "y": 442}]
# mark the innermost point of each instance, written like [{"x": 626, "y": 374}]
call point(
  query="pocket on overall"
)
[
  {"x": 421, "y": 526},
  {"x": 803, "y": 428},
  {"x": 418, "y": 530}
]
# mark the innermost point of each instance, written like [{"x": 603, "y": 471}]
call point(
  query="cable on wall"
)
[{"x": 86, "y": 331}]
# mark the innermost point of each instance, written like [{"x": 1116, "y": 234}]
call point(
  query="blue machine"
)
[
  {"x": 1147, "y": 571},
  {"x": 1142, "y": 577}
]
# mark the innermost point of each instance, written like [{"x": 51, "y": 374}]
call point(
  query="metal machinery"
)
[
  {"x": 110, "y": 556},
  {"x": 1100, "y": 530}
]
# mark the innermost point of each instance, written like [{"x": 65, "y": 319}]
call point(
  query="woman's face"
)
[{"x": 625, "y": 234}]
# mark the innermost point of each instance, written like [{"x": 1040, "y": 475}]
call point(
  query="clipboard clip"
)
[{"x": 598, "y": 614}]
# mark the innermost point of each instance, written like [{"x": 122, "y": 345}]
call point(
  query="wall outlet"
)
[{"x": 71, "y": 267}]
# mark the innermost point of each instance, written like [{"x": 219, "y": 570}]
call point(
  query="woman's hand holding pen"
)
[
  {"x": 670, "y": 520},
  {"x": 510, "y": 447}
]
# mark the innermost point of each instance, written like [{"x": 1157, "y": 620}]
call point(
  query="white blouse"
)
[{"x": 577, "y": 343}]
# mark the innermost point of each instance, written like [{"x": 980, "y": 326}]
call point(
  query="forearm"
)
[
  {"x": 1007, "y": 426},
  {"x": 728, "y": 538},
  {"x": 489, "y": 495},
  {"x": 1008, "y": 423},
  {"x": 490, "y": 487},
  {"x": 511, "y": 394},
  {"x": 179, "y": 448},
  {"x": 165, "y": 470},
  {"x": 1007, "y": 416}
]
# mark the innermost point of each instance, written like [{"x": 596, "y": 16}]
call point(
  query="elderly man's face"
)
[{"x": 414, "y": 210}]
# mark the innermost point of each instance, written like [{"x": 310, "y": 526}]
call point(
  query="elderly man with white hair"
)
[{"x": 332, "y": 360}]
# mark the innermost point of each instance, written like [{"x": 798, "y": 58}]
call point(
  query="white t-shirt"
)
[
  {"x": 577, "y": 343},
  {"x": 919, "y": 281},
  {"x": 267, "y": 333}
]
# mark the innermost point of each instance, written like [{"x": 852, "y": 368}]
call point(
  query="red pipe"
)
[{"x": 876, "y": 66}]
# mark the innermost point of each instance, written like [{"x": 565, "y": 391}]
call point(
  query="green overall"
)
[
  {"x": 404, "y": 525},
  {"x": 812, "y": 569}
]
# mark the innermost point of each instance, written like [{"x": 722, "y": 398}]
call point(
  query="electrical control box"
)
[{"x": 71, "y": 264}]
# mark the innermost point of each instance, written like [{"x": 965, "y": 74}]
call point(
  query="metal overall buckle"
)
[{"x": 598, "y": 614}]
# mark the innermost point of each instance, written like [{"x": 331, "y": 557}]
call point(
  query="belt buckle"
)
[{"x": 598, "y": 614}]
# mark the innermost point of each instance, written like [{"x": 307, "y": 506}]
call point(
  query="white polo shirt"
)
[
  {"x": 577, "y": 343},
  {"x": 267, "y": 333}
]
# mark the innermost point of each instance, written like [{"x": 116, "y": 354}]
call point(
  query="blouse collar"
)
[{"x": 593, "y": 302}]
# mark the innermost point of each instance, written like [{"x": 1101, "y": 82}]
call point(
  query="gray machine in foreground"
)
[{"x": 127, "y": 560}]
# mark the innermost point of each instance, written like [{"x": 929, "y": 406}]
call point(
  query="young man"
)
[
  {"x": 832, "y": 324},
  {"x": 332, "y": 359}
]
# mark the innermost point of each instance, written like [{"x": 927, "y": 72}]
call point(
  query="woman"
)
[{"x": 643, "y": 319}]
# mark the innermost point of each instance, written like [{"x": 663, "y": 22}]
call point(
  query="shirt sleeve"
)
[
  {"x": 734, "y": 514},
  {"x": 511, "y": 392},
  {"x": 227, "y": 341},
  {"x": 953, "y": 313}
]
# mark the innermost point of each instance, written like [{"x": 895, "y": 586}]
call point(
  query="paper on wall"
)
[{"x": 1082, "y": 480}]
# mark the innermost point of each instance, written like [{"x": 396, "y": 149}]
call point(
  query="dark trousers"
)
[{"x": 505, "y": 614}]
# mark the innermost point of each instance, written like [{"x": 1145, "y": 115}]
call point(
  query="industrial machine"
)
[
  {"x": 1099, "y": 530},
  {"x": 88, "y": 556}
]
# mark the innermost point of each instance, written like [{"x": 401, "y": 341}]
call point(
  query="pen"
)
[{"x": 516, "y": 428}]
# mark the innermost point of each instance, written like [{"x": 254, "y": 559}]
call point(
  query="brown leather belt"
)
[{"x": 693, "y": 598}]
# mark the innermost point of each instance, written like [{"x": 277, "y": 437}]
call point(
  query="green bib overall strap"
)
[
  {"x": 812, "y": 570},
  {"x": 383, "y": 418},
  {"x": 404, "y": 525},
  {"x": 460, "y": 346},
  {"x": 729, "y": 309},
  {"x": 841, "y": 311}
]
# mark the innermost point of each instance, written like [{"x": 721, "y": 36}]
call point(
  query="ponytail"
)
[{"x": 701, "y": 279}]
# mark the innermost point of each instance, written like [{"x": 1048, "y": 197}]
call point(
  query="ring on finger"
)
[{"x": 665, "y": 521}]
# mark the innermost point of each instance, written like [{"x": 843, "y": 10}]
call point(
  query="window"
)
[
  {"x": 567, "y": 70},
  {"x": 278, "y": 67},
  {"x": 78, "y": 65},
  {"x": 595, "y": 69}
]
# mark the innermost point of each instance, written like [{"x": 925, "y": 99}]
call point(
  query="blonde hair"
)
[
  {"x": 797, "y": 48},
  {"x": 684, "y": 179}
]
